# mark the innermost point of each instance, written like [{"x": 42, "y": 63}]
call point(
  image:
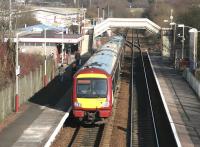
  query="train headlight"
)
[
  {"x": 77, "y": 104},
  {"x": 105, "y": 104}
]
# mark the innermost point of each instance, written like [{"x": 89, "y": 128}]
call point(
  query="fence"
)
[
  {"x": 194, "y": 83},
  {"x": 28, "y": 86}
]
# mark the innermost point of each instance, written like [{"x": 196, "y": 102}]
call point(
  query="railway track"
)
[
  {"x": 74, "y": 134},
  {"x": 138, "y": 102},
  {"x": 87, "y": 136},
  {"x": 149, "y": 123},
  {"x": 147, "y": 133}
]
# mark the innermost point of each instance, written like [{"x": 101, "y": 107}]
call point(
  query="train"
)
[{"x": 94, "y": 84}]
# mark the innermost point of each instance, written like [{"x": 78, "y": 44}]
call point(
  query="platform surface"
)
[
  {"x": 35, "y": 125},
  {"x": 44, "y": 115},
  {"x": 183, "y": 104}
]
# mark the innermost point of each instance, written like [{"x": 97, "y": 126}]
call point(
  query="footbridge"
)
[{"x": 135, "y": 23}]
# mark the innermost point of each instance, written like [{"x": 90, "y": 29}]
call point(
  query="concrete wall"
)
[
  {"x": 193, "y": 82},
  {"x": 28, "y": 86}
]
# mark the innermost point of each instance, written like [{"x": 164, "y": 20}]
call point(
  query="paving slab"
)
[{"x": 10, "y": 134}]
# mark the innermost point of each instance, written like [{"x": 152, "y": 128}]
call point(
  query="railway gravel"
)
[{"x": 120, "y": 128}]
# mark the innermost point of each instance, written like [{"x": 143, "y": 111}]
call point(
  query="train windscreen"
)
[{"x": 91, "y": 88}]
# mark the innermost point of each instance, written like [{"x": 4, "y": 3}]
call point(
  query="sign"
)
[{"x": 17, "y": 70}]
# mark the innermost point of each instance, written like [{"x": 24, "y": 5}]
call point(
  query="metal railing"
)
[{"x": 137, "y": 23}]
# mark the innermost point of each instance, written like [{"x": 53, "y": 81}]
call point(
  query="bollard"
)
[
  {"x": 16, "y": 103},
  {"x": 45, "y": 80}
]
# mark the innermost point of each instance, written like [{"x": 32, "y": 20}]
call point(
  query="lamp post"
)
[
  {"x": 10, "y": 17},
  {"x": 78, "y": 3},
  {"x": 103, "y": 13},
  {"x": 108, "y": 11},
  {"x": 90, "y": 3},
  {"x": 79, "y": 24},
  {"x": 98, "y": 14},
  {"x": 171, "y": 17},
  {"x": 155, "y": 3},
  {"x": 62, "y": 46},
  {"x": 17, "y": 72},
  {"x": 45, "y": 54},
  {"x": 84, "y": 17}
]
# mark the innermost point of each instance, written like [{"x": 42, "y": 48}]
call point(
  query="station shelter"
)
[{"x": 49, "y": 41}]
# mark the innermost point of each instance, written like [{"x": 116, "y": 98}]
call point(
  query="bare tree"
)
[
  {"x": 7, "y": 59},
  {"x": 4, "y": 18},
  {"x": 112, "y": 8}
]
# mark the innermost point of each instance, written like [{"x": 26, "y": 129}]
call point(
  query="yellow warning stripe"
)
[{"x": 91, "y": 76}]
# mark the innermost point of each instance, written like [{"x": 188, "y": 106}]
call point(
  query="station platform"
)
[
  {"x": 181, "y": 103},
  {"x": 42, "y": 117}
]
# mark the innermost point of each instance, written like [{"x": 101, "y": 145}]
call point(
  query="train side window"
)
[{"x": 115, "y": 78}]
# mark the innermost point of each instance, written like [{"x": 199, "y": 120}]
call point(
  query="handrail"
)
[{"x": 138, "y": 23}]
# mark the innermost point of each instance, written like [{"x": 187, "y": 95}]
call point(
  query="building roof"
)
[
  {"x": 41, "y": 27},
  {"x": 36, "y": 33},
  {"x": 51, "y": 37}
]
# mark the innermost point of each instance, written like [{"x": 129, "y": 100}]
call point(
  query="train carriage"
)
[{"x": 95, "y": 83}]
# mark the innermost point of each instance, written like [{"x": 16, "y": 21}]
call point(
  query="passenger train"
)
[{"x": 95, "y": 83}]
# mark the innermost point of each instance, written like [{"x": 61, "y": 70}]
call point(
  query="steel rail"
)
[{"x": 131, "y": 119}]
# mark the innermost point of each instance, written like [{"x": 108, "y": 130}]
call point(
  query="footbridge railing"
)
[{"x": 135, "y": 23}]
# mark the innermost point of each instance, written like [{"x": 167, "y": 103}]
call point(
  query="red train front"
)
[
  {"x": 94, "y": 84},
  {"x": 92, "y": 97}
]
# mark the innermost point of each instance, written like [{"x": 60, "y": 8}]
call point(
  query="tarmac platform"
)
[
  {"x": 41, "y": 121},
  {"x": 44, "y": 115},
  {"x": 181, "y": 103}
]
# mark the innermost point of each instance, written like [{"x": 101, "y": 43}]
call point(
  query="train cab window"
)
[
  {"x": 91, "y": 88},
  {"x": 99, "y": 87},
  {"x": 83, "y": 87}
]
